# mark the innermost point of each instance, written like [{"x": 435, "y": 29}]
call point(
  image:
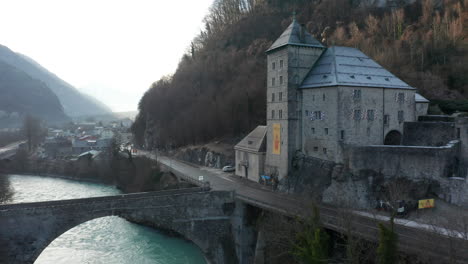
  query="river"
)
[{"x": 106, "y": 240}]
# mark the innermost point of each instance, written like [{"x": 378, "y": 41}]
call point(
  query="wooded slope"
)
[{"x": 219, "y": 87}]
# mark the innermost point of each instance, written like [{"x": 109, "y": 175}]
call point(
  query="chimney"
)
[{"x": 302, "y": 34}]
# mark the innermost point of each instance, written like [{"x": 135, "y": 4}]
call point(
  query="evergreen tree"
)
[{"x": 387, "y": 251}]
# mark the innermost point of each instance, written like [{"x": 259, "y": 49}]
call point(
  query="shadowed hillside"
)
[
  {"x": 22, "y": 95},
  {"x": 219, "y": 87},
  {"x": 74, "y": 102}
]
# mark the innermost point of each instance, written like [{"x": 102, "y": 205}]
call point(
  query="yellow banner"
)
[
  {"x": 276, "y": 139},
  {"x": 427, "y": 203}
]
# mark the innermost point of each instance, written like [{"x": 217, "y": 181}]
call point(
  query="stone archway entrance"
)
[{"x": 393, "y": 138}]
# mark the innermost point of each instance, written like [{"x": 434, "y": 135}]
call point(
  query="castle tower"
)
[{"x": 289, "y": 60}]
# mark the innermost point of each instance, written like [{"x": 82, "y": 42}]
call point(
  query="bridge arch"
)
[{"x": 199, "y": 216}]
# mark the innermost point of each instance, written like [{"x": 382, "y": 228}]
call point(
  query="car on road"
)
[{"x": 228, "y": 168}]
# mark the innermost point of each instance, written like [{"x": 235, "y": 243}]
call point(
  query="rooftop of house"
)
[
  {"x": 295, "y": 35},
  {"x": 255, "y": 141},
  {"x": 346, "y": 66},
  {"x": 420, "y": 99}
]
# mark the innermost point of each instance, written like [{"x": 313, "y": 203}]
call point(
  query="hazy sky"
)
[{"x": 111, "y": 49}]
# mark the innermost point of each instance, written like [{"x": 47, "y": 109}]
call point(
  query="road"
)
[
  {"x": 9, "y": 150},
  {"x": 413, "y": 238}
]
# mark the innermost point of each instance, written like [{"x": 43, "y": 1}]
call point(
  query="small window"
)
[
  {"x": 313, "y": 130},
  {"x": 318, "y": 115},
  {"x": 281, "y": 80},
  {"x": 357, "y": 115},
  {"x": 280, "y": 97},
  {"x": 386, "y": 120},
  {"x": 250, "y": 142},
  {"x": 370, "y": 115},
  {"x": 401, "y": 97},
  {"x": 272, "y": 114},
  {"x": 326, "y": 131},
  {"x": 342, "y": 134},
  {"x": 458, "y": 132},
  {"x": 315, "y": 148},
  {"x": 323, "y": 97},
  {"x": 273, "y": 66},
  {"x": 280, "y": 114},
  {"x": 281, "y": 64},
  {"x": 324, "y": 150},
  {"x": 273, "y": 97},
  {"x": 401, "y": 116},
  {"x": 307, "y": 112},
  {"x": 357, "y": 94},
  {"x": 273, "y": 82},
  {"x": 368, "y": 131},
  {"x": 313, "y": 97}
]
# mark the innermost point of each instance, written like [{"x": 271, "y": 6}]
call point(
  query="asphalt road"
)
[
  {"x": 10, "y": 150},
  {"x": 411, "y": 239}
]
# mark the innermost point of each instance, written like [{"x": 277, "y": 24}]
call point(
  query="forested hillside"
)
[{"x": 219, "y": 87}]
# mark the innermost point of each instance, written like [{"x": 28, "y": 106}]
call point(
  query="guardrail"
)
[{"x": 203, "y": 184}]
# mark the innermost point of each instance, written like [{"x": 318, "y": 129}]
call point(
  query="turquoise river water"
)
[{"x": 106, "y": 240}]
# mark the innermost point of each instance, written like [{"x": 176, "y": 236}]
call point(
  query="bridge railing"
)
[
  {"x": 196, "y": 182},
  {"x": 104, "y": 198}
]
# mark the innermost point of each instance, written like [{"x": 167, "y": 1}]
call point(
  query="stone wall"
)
[
  {"x": 428, "y": 133},
  {"x": 411, "y": 162},
  {"x": 205, "y": 157}
]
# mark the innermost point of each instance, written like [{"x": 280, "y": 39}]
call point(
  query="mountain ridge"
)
[{"x": 74, "y": 102}]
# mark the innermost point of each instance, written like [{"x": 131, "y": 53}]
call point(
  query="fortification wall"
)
[
  {"x": 412, "y": 162},
  {"x": 428, "y": 133}
]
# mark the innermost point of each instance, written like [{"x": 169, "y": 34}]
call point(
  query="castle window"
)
[
  {"x": 401, "y": 97},
  {"x": 326, "y": 131},
  {"x": 280, "y": 114},
  {"x": 368, "y": 131},
  {"x": 313, "y": 130},
  {"x": 280, "y": 97},
  {"x": 386, "y": 120},
  {"x": 273, "y": 97},
  {"x": 272, "y": 114},
  {"x": 318, "y": 115},
  {"x": 281, "y": 64},
  {"x": 458, "y": 132},
  {"x": 315, "y": 148},
  {"x": 342, "y": 134},
  {"x": 357, "y": 94},
  {"x": 313, "y": 97},
  {"x": 273, "y": 66},
  {"x": 324, "y": 150},
  {"x": 370, "y": 115},
  {"x": 357, "y": 115},
  {"x": 323, "y": 97},
  {"x": 273, "y": 82},
  {"x": 401, "y": 116},
  {"x": 281, "y": 79}
]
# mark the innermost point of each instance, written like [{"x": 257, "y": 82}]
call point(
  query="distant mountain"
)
[
  {"x": 21, "y": 95},
  {"x": 73, "y": 101}
]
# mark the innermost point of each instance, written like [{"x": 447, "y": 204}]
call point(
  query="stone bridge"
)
[{"x": 197, "y": 214}]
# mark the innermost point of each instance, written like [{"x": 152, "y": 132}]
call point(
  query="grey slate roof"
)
[
  {"x": 350, "y": 67},
  {"x": 292, "y": 36},
  {"x": 420, "y": 99},
  {"x": 255, "y": 141}
]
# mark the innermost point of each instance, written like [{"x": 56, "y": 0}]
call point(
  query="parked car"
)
[{"x": 228, "y": 168}]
